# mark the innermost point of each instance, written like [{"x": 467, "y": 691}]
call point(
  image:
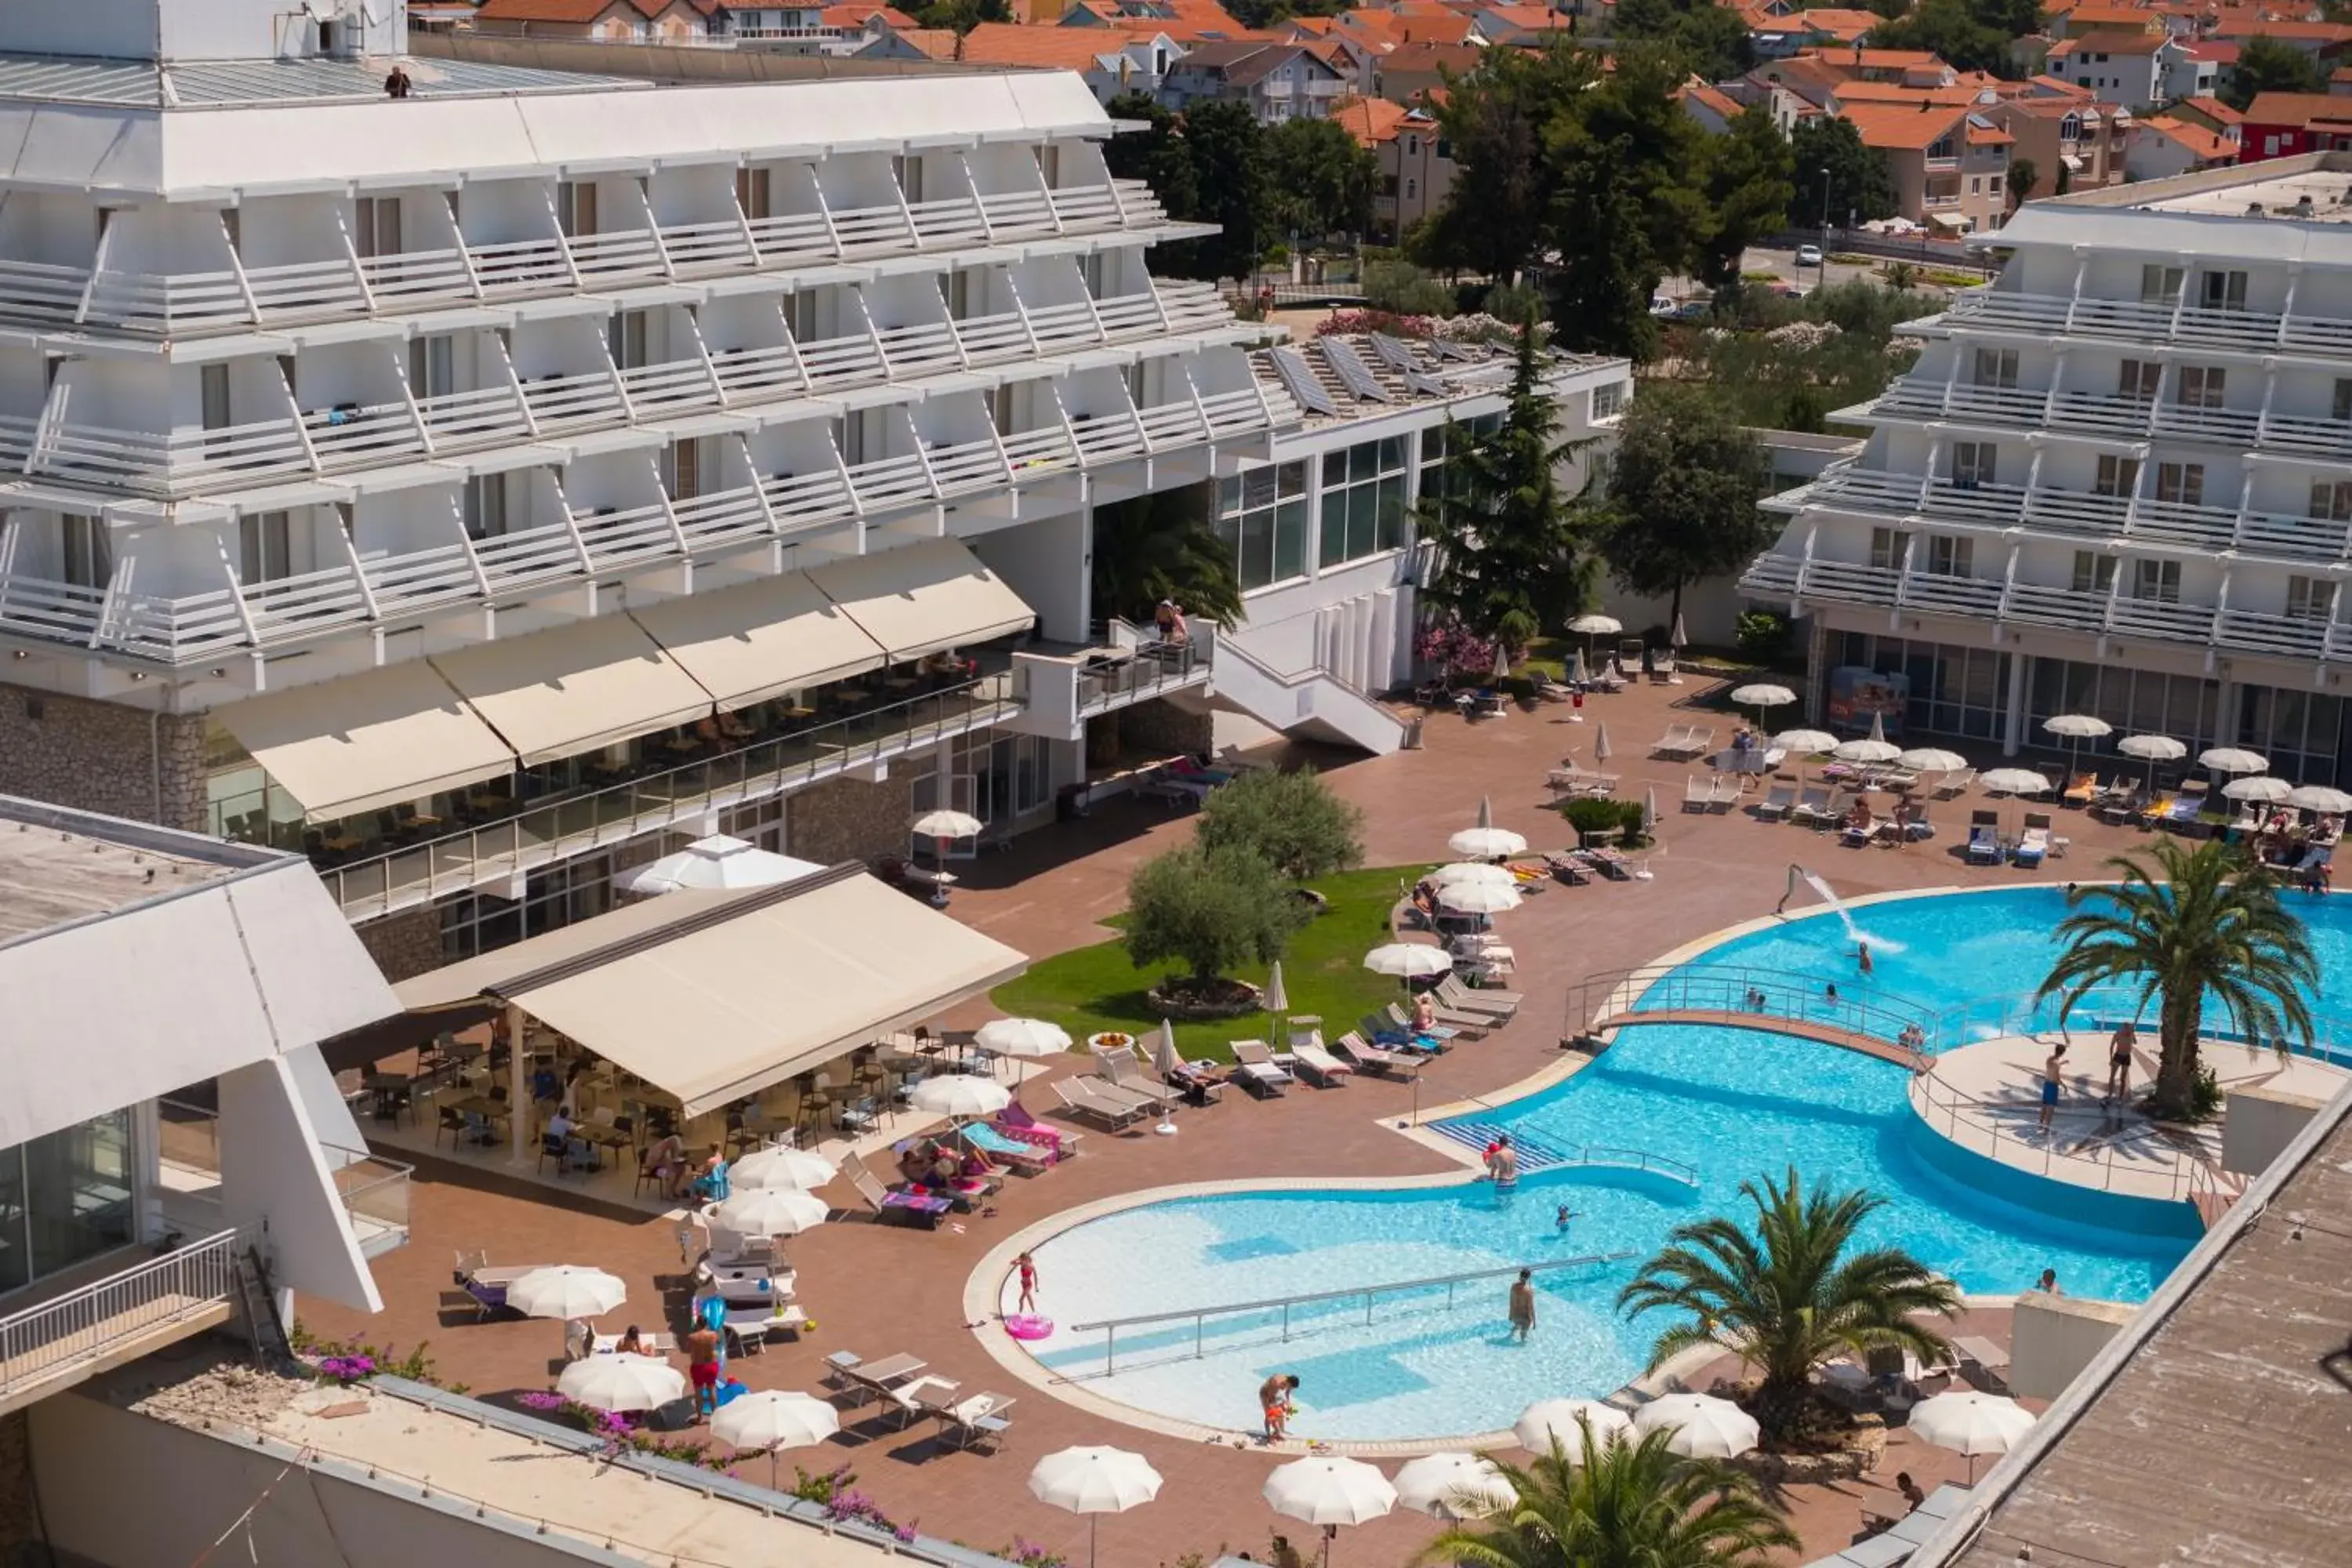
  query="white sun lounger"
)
[
  {"x": 1726, "y": 793},
  {"x": 1354, "y": 1049},
  {"x": 1776, "y": 803},
  {"x": 1258, "y": 1069},
  {"x": 1320, "y": 1067}
]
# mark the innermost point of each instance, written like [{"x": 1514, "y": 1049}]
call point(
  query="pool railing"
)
[
  {"x": 1368, "y": 1294},
  {"x": 1614, "y": 997},
  {"x": 1974, "y": 1125}
]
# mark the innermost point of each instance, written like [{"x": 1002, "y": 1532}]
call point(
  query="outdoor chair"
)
[
  {"x": 1984, "y": 838},
  {"x": 1358, "y": 1052},
  {"x": 1774, "y": 806},
  {"x": 1260, "y": 1073}
]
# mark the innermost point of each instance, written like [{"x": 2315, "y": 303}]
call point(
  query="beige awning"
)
[
  {"x": 561, "y": 692},
  {"x": 716, "y": 996},
  {"x": 922, "y": 597},
  {"x": 746, "y": 645},
  {"x": 367, "y": 740}
]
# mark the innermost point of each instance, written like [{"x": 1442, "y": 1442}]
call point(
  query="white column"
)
[
  {"x": 2012, "y": 722},
  {"x": 519, "y": 1091}
]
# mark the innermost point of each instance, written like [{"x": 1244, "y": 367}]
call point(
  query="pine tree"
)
[{"x": 1509, "y": 560}]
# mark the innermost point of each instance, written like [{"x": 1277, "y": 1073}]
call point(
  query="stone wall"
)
[
  {"x": 1160, "y": 728},
  {"x": 846, "y": 818},
  {"x": 18, "y": 1538},
  {"x": 404, "y": 945},
  {"x": 102, "y": 756}
]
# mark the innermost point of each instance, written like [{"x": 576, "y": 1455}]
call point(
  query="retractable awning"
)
[
  {"x": 923, "y": 597},
  {"x": 716, "y": 996},
  {"x": 367, "y": 740},
  {"x": 559, "y": 693},
  {"x": 748, "y": 643}
]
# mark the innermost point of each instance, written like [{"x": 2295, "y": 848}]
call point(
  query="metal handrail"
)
[
  {"x": 85, "y": 1324},
  {"x": 1640, "y": 1159},
  {"x": 1199, "y": 1315},
  {"x": 1765, "y": 994},
  {"x": 2053, "y": 1161}
]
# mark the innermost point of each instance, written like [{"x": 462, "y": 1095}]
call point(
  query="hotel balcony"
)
[
  {"x": 2143, "y": 325},
  {"x": 514, "y": 837},
  {"x": 82, "y": 1322},
  {"x": 1061, "y": 685},
  {"x": 374, "y": 1191},
  {"x": 183, "y": 304}
]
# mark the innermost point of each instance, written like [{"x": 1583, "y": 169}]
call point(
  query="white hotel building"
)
[
  {"x": 478, "y": 490},
  {"x": 2120, "y": 481}
]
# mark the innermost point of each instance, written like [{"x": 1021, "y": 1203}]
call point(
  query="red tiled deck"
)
[{"x": 879, "y": 1289}]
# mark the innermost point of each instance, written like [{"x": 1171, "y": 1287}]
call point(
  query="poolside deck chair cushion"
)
[
  {"x": 1776, "y": 803},
  {"x": 1353, "y": 1048},
  {"x": 1258, "y": 1069},
  {"x": 1320, "y": 1067}
]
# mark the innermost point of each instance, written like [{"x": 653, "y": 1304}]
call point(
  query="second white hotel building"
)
[
  {"x": 2118, "y": 481},
  {"x": 476, "y": 488}
]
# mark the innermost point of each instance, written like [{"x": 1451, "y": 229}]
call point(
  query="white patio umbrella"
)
[
  {"x": 1601, "y": 750},
  {"x": 1094, "y": 1482},
  {"x": 1277, "y": 998},
  {"x": 1805, "y": 743},
  {"x": 566, "y": 1291},
  {"x": 1021, "y": 1038},
  {"x": 2268, "y": 789},
  {"x": 2152, "y": 750},
  {"x": 717, "y": 861},
  {"x": 770, "y": 1211},
  {"x": 2233, "y": 759},
  {"x": 622, "y": 1382},
  {"x": 1568, "y": 1419},
  {"x": 1474, "y": 873},
  {"x": 790, "y": 1170},
  {"x": 1408, "y": 960},
  {"x": 2014, "y": 781},
  {"x": 1762, "y": 696},
  {"x": 1868, "y": 750},
  {"x": 1932, "y": 760},
  {"x": 1474, "y": 898},
  {"x": 1164, "y": 1060},
  {"x": 1971, "y": 1422},
  {"x": 959, "y": 1095},
  {"x": 1676, "y": 639},
  {"x": 1330, "y": 1491},
  {"x": 771, "y": 1419},
  {"x": 1878, "y": 724},
  {"x": 1453, "y": 1486},
  {"x": 1596, "y": 626},
  {"x": 1486, "y": 841},
  {"x": 1502, "y": 661},
  {"x": 941, "y": 827},
  {"x": 2319, "y": 798},
  {"x": 1650, "y": 812},
  {"x": 2074, "y": 729},
  {"x": 1704, "y": 1426},
  {"x": 1576, "y": 670}
]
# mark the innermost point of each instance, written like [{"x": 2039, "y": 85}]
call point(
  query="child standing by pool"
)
[{"x": 1028, "y": 1268}]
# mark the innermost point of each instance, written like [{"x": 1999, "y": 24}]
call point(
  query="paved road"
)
[{"x": 1782, "y": 265}]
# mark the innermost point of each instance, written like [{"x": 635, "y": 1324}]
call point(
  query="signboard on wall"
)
[{"x": 1858, "y": 695}]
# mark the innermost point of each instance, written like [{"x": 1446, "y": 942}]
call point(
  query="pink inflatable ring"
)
[{"x": 1025, "y": 1326}]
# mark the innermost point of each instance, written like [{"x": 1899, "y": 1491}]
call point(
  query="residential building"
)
[
  {"x": 2211, "y": 113},
  {"x": 1277, "y": 82},
  {"x": 2101, "y": 16},
  {"x": 2193, "y": 69},
  {"x": 2163, "y": 145},
  {"x": 2122, "y": 67},
  {"x": 1416, "y": 168},
  {"x": 173, "y": 1151},
  {"x": 1411, "y": 71},
  {"x": 2072, "y": 143},
  {"x": 1108, "y": 62},
  {"x": 606, "y": 21},
  {"x": 525, "y": 473},
  {"x": 2114, "y": 482},
  {"x": 2288, "y": 124},
  {"x": 2321, "y": 40},
  {"x": 1949, "y": 166}
]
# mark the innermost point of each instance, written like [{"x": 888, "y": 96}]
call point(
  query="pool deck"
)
[
  {"x": 878, "y": 1289},
  {"x": 1986, "y": 1097}
]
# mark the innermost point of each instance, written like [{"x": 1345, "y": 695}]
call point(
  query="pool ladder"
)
[{"x": 1537, "y": 1156}]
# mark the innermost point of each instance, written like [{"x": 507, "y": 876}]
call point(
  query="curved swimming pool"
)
[{"x": 1732, "y": 1104}]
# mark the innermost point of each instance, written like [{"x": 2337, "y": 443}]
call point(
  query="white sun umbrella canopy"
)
[
  {"x": 959, "y": 1095},
  {"x": 2233, "y": 759},
  {"x": 1650, "y": 812},
  {"x": 1474, "y": 874},
  {"x": 1601, "y": 750},
  {"x": 770, "y": 1211},
  {"x": 2152, "y": 748},
  {"x": 1970, "y": 1423},
  {"x": 1328, "y": 1489},
  {"x": 2266, "y": 789},
  {"x": 1596, "y": 626},
  {"x": 1477, "y": 899},
  {"x": 1702, "y": 1425},
  {"x": 717, "y": 861},
  {"x": 1021, "y": 1038},
  {"x": 791, "y": 1170},
  {"x": 1762, "y": 696},
  {"x": 1932, "y": 760},
  {"x": 1164, "y": 1060},
  {"x": 1568, "y": 1419},
  {"x": 1870, "y": 748},
  {"x": 771, "y": 1419},
  {"x": 947, "y": 824},
  {"x": 1805, "y": 743},
  {"x": 1453, "y": 1486},
  {"x": 1277, "y": 998},
  {"x": 2014, "y": 781},
  {"x": 566, "y": 1291},
  {"x": 2077, "y": 726},
  {"x": 2320, "y": 798},
  {"x": 622, "y": 1382},
  {"x": 1094, "y": 1482},
  {"x": 1408, "y": 960},
  {"x": 1486, "y": 841}
]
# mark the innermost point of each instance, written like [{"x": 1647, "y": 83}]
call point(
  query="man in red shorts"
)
[{"x": 702, "y": 1366}]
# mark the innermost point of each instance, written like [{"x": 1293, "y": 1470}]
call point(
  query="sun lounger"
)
[
  {"x": 1004, "y": 1149},
  {"x": 1199, "y": 1082},
  {"x": 1381, "y": 1029},
  {"x": 485, "y": 1285},
  {"x": 1566, "y": 867},
  {"x": 2122, "y": 804},
  {"x": 914, "y": 1208},
  {"x": 1984, "y": 838},
  {"x": 1608, "y": 863},
  {"x": 1696, "y": 792},
  {"x": 1813, "y": 806},
  {"x": 1549, "y": 690},
  {"x": 851, "y": 1373},
  {"x": 1258, "y": 1072},
  {"x": 1662, "y": 669},
  {"x": 1365, "y": 1057},
  {"x": 1674, "y": 742},
  {"x": 609, "y": 1344},
  {"x": 1398, "y": 1017},
  {"x": 1955, "y": 783},
  {"x": 1083, "y": 1097},
  {"x": 1128, "y": 1075},
  {"x": 1574, "y": 780},
  {"x": 2081, "y": 789},
  {"x": 1725, "y": 794},
  {"x": 1318, "y": 1065},
  {"x": 2034, "y": 845},
  {"x": 1776, "y": 803},
  {"x": 1477, "y": 998},
  {"x": 1016, "y": 1121},
  {"x": 1150, "y": 1099},
  {"x": 976, "y": 1421}
]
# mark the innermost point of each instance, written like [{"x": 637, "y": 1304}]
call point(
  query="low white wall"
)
[
  {"x": 2258, "y": 1123},
  {"x": 274, "y": 1176},
  {"x": 2053, "y": 1337}
]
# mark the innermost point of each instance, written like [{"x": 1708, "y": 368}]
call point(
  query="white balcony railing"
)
[{"x": 143, "y": 1305}]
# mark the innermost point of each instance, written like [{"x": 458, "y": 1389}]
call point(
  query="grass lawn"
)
[{"x": 1094, "y": 989}]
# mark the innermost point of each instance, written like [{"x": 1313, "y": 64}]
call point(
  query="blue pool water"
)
[{"x": 1732, "y": 1104}]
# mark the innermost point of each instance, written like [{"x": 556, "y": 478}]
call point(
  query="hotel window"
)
[
  {"x": 1887, "y": 548},
  {"x": 1974, "y": 463},
  {"x": 1940, "y": 148},
  {"x": 1609, "y": 401},
  {"x": 485, "y": 506},
  {"x": 2117, "y": 476},
  {"x": 2070, "y": 128},
  {"x": 212, "y": 395},
  {"x": 266, "y": 545},
  {"x": 1436, "y": 482},
  {"x": 575, "y": 207},
  {"x": 2138, "y": 379},
  {"x": 682, "y": 470},
  {"x": 2157, "y": 580},
  {"x": 67, "y": 1196},
  {"x": 89, "y": 551},
  {"x": 2299, "y": 732},
  {"x": 752, "y": 187},
  {"x": 2093, "y": 573},
  {"x": 2182, "y": 483},
  {"x": 2222, "y": 290},
  {"x": 2159, "y": 285},
  {"x": 2307, "y": 598},
  {"x": 624, "y": 336},
  {"x": 1262, "y": 518},
  {"x": 1363, "y": 500},
  {"x": 2202, "y": 385},
  {"x": 376, "y": 231},
  {"x": 2332, "y": 502},
  {"x": 1949, "y": 555},
  {"x": 433, "y": 366},
  {"x": 1996, "y": 367},
  {"x": 2341, "y": 407}
]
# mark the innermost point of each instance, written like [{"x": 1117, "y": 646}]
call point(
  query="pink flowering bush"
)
[
  {"x": 1346, "y": 323},
  {"x": 1448, "y": 646}
]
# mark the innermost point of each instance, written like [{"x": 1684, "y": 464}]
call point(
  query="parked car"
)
[{"x": 1808, "y": 256}]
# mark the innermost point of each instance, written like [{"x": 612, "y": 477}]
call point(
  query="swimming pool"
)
[{"x": 1733, "y": 1104}]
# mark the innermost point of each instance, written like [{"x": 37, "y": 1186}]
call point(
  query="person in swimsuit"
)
[
  {"x": 2119, "y": 1061},
  {"x": 2052, "y": 1072},
  {"x": 1523, "y": 1306},
  {"x": 702, "y": 1369},
  {"x": 1028, "y": 1267}
]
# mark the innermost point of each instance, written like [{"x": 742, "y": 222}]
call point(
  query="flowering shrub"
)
[
  {"x": 1802, "y": 334},
  {"x": 1450, "y": 647},
  {"x": 355, "y": 1360},
  {"x": 1342, "y": 323},
  {"x": 855, "y": 1507},
  {"x": 1031, "y": 1554},
  {"x": 1482, "y": 328},
  {"x": 621, "y": 1431},
  {"x": 347, "y": 1369}
]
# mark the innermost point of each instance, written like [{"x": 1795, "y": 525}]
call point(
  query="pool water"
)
[{"x": 1732, "y": 1104}]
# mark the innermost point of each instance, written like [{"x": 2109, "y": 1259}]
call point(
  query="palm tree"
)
[
  {"x": 2189, "y": 923},
  {"x": 1796, "y": 1300},
  {"x": 1629, "y": 1503},
  {"x": 1161, "y": 546}
]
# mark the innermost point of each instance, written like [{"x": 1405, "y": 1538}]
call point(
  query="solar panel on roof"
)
[
  {"x": 1300, "y": 381},
  {"x": 1342, "y": 356}
]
